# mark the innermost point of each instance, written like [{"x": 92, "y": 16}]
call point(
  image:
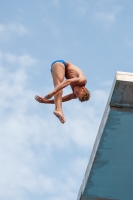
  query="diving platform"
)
[{"x": 109, "y": 174}]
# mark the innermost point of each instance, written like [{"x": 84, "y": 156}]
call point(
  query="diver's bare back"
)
[{"x": 72, "y": 71}]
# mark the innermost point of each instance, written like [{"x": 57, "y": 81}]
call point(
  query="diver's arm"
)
[
  {"x": 77, "y": 80},
  {"x": 47, "y": 101}
]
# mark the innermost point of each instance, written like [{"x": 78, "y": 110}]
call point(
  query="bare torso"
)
[{"x": 72, "y": 71}]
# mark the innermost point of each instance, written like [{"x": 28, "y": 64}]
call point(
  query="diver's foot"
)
[{"x": 60, "y": 116}]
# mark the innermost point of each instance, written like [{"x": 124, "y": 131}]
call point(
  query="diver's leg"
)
[{"x": 58, "y": 74}]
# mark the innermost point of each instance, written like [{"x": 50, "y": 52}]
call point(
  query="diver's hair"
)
[{"x": 85, "y": 96}]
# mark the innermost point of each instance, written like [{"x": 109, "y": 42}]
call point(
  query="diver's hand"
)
[
  {"x": 40, "y": 99},
  {"x": 49, "y": 96}
]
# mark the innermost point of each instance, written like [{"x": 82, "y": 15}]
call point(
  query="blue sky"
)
[{"x": 41, "y": 158}]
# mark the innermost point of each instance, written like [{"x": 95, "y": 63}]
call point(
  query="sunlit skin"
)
[{"x": 74, "y": 77}]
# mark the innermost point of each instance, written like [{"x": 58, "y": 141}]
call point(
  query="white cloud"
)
[
  {"x": 9, "y": 30},
  {"x": 13, "y": 28},
  {"x": 101, "y": 95},
  {"x": 23, "y": 60},
  {"x": 17, "y": 28},
  {"x": 81, "y": 165},
  {"x": 16, "y": 157},
  {"x": 105, "y": 15},
  {"x": 106, "y": 19}
]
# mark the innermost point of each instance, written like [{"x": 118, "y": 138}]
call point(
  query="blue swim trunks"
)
[{"x": 61, "y": 61}]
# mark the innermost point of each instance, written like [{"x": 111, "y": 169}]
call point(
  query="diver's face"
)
[{"x": 78, "y": 91}]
